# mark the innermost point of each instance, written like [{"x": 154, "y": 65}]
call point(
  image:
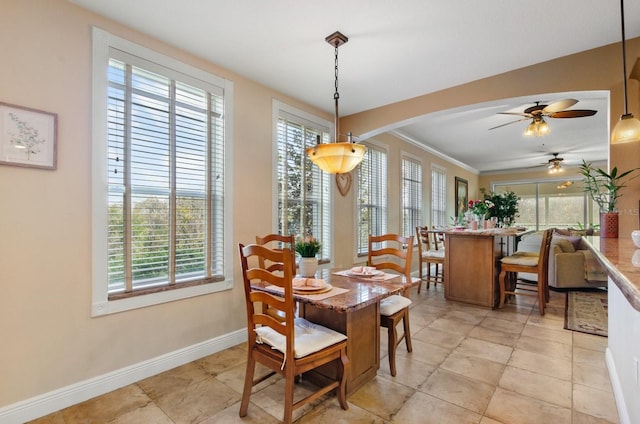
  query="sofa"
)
[{"x": 571, "y": 263}]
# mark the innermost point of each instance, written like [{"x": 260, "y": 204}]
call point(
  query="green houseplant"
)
[
  {"x": 604, "y": 188},
  {"x": 506, "y": 206}
]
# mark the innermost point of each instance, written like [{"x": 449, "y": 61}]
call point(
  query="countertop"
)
[
  {"x": 484, "y": 232},
  {"x": 621, "y": 260}
]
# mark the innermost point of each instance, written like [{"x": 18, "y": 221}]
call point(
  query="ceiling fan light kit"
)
[
  {"x": 627, "y": 129},
  {"x": 537, "y": 128},
  {"x": 554, "y": 164},
  {"x": 336, "y": 157}
]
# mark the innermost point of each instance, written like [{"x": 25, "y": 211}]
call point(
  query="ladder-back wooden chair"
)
[
  {"x": 395, "y": 308},
  {"x": 430, "y": 251},
  {"x": 527, "y": 262},
  {"x": 290, "y": 347}
]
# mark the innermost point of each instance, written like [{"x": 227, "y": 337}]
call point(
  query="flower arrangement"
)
[
  {"x": 480, "y": 207},
  {"x": 505, "y": 205},
  {"x": 307, "y": 247}
]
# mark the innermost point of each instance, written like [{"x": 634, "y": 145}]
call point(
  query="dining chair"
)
[
  {"x": 290, "y": 347},
  {"x": 430, "y": 251},
  {"x": 394, "y": 252},
  {"x": 276, "y": 242},
  {"x": 531, "y": 262}
]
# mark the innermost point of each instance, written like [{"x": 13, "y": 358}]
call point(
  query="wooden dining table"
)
[{"x": 353, "y": 311}]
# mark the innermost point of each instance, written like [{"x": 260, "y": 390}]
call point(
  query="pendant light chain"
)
[
  {"x": 624, "y": 60},
  {"x": 336, "y": 95}
]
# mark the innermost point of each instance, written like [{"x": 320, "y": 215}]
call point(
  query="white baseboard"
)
[
  {"x": 63, "y": 397},
  {"x": 623, "y": 413}
]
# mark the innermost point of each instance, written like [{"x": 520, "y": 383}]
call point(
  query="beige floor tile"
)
[
  {"x": 428, "y": 353},
  {"x": 454, "y": 326},
  {"x": 424, "y": 409},
  {"x": 589, "y": 357},
  {"x": 483, "y": 349},
  {"x": 459, "y": 390},
  {"x": 511, "y": 408},
  {"x": 538, "y": 386},
  {"x": 382, "y": 397},
  {"x": 438, "y": 337},
  {"x": 147, "y": 414},
  {"x": 222, "y": 361},
  {"x": 177, "y": 379},
  {"x": 234, "y": 377},
  {"x": 409, "y": 372},
  {"x": 546, "y": 321},
  {"x": 55, "y": 418},
  {"x": 580, "y": 418},
  {"x": 230, "y": 415},
  {"x": 545, "y": 347},
  {"x": 599, "y": 403},
  {"x": 494, "y": 336},
  {"x": 487, "y": 420},
  {"x": 271, "y": 399},
  {"x": 511, "y": 313},
  {"x": 197, "y": 401},
  {"x": 473, "y": 367},
  {"x": 504, "y": 326},
  {"x": 589, "y": 341},
  {"x": 331, "y": 412},
  {"x": 107, "y": 407},
  {"x": 560, "y": 336},
  {"x": 596, "y": 377},
  {"x": 542, "y": 364},
  {"x": 465, "y": 316}
]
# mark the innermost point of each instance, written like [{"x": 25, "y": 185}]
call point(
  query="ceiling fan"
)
[
  {"x": 554, "y": 164},
  {"x": 538, "y": 126}
]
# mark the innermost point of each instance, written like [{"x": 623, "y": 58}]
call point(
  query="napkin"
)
[
  {"x": 363, "y": 269},
  {"x": 299, "y": 282}
]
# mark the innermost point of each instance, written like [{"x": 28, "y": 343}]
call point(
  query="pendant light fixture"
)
[
  {"x": 538, "y": 127},
  {"x": 336, "y": 157},
  {"x": 628, "y": 128}
]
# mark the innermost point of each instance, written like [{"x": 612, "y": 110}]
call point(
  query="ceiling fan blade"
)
[
  {"x": 509, "y": 123},
  {"x": 559, "y": 105},
  {"x": 526, "y": 115},
  {"x": 576, "y": 113}
]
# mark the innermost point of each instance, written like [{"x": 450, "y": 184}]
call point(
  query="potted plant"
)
[
  {"x": 308, "y": 247},
  {"x": 604, "y": 188},
  {"x": 506, "y": 206}
]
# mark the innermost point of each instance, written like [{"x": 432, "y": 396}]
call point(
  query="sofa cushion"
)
[
  {"x": 565, "y": 245},
  {"x": 574, "y": 240}
]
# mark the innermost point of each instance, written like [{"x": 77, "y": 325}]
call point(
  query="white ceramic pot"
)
[
  {"x": 635, "y": 236},
  {"x": 308, "y": 267}
]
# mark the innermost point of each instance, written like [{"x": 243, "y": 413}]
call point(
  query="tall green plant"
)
[
  {"x": 604, "y": 188},
  {"x": 506, "y": 205}
]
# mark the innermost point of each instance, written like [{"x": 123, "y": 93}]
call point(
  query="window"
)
[
  {"x": 411, "y": 196},
  {"x": 372, "y": 197},
  {"x": 160, "y": 178},
  {"x": 304, "y": 194},
  {"x": 438, "y": 197}
]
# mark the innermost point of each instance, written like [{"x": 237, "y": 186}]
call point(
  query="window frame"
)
[
  {"x": 441, "y": 200},
  {"x": 102, "y": 42},
  {"x": 419, "y": 210},
  {"x": 285, "y": 111},
  {"x": 362, "y": 251}
]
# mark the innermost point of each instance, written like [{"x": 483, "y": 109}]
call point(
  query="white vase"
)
[{"x": 308, "y": 267}]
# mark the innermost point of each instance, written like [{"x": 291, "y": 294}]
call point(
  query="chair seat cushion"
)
[
  {"x": 392, "y": 304},
  {"x": 436, "y": 254},
  {"x": 521, "y": 258},
  {"x": 309, "y": 337}
]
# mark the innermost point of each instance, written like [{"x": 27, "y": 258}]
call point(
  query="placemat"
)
[
  {"x": 320, "y": 296},
  {"x": 385, "y": 276}
]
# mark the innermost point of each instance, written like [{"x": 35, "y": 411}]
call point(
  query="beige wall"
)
[{"x": 49, "y": 339}]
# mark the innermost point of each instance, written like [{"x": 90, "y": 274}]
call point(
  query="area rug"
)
[{"x": 586, "y": 311}]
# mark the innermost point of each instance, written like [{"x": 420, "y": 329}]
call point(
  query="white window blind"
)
[
  {"x": 159, "y": 163},
  {"x": 372, "y": 197},
  {"x": 411, "y": 196},
  {"x": 438, "y": 197},
  {"x": 304, "y": 196}
]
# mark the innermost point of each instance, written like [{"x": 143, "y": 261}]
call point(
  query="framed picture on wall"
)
[
  {"x": 27, "y": 137},
  {"x": 462, "y": 196}
]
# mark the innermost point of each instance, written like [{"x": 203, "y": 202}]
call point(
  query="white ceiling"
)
[{"x": 400, "y": 50}]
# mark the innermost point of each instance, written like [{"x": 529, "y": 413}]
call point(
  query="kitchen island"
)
[{"x": 472, "y": 263}]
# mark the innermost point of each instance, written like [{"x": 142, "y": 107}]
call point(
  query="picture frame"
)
[
  {"x": 462, "y": 196},
  {"x": 28, "y": 137}
]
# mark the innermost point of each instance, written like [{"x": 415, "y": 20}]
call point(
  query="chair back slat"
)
[
  {"x": 422, "y": 237},
  {"x": 275, "y": 242}
]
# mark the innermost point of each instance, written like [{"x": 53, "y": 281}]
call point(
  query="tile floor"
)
[{"x": 468, "y": 365}]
